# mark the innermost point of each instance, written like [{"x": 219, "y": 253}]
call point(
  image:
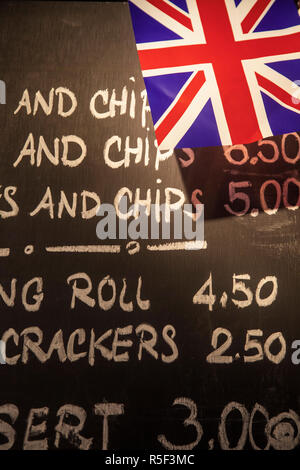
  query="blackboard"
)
[{"x": 153, "y": 380}]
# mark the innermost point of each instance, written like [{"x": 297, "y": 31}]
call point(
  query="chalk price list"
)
[{"x": 256, "y": 345}]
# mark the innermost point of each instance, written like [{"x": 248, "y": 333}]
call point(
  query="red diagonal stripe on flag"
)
[
  {"x": 253, "y": 15},
  {"x": 276, "y": 91},
  {"x": 180, "y": 107},
  {"x": 172, "y": 12}
]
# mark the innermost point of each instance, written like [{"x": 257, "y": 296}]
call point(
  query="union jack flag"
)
[{"x": 219, "y": 72}]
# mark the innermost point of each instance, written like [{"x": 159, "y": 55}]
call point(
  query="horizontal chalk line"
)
[
  {"x": 4, "y": 251},
  {"x": 176, "y": 246},
  {"x": 84, "y": 249}
]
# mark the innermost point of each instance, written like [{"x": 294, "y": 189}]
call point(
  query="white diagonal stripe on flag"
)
[
  {"x": 280, "y": 80},
  {"x": 187, "y": 119},
  {"x": 163, "y": 18}
]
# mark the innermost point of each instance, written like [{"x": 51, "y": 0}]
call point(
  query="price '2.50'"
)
[{"x": 251, "y": 343}]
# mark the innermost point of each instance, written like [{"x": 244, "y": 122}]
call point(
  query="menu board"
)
[{"x": 130, "y": 342}]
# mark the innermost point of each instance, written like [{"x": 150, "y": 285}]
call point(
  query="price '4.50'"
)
[{"x": 205, "y": 294}]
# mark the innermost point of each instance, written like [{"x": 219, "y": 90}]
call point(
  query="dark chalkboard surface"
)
[{"x": 146, "y": 344}]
